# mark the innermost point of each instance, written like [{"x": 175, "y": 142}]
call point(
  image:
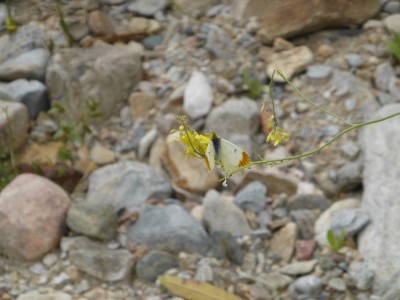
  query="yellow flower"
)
[{"x": 277, "y": 135}]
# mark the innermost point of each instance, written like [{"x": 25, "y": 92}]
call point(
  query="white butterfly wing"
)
[
  {"x": 210, "y": 156},
  {"x": 232, "y": 156}
]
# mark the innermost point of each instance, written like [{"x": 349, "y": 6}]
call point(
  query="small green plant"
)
[
  {"x": 336, "y": 242},
  {"x": 394, "y": 45},
  {"x": 64, "y": 25},
  {"x": 8, "y": 167},
  {"x": 254, "y": 86},
  {"x": 9, "y": 21},
  {"x": 71, "y": 134}
]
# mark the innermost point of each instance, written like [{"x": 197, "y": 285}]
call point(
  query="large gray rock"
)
[
  {"x": 379, "y": 243},
  {"x": 28, "y": 65},
  {"x": 14, "y": 124},
  {"x": 97, "y": 260},
  {"x": 170, "y": 228},
  {"x": 252, "y": 197},
  {"x": 126, "y": 185},
  {"x": 32, "y": 93},
  {"x": 287, "y": 18},
  {"x": 102, "y": 73}
]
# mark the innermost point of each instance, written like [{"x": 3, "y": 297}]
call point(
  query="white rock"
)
[{"x": 198, "y": 96}]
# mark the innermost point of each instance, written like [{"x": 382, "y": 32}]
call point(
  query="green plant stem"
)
[
  {"x": 309, "y": 101},
  {"x": 309, "y": 153}
]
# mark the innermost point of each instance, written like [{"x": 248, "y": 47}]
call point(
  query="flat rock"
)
[
  {"x": 97, "y": 260},
  {"x": 234, "y": 116},
  {"x": 299, "y": 268},
  {"x": 221, "y": 214},
  {"x": 379, "y": 241},
  {"x": 28, "y": 65},
  {"x": 323, "y": 223},
  {"x": 101, "y": 73},
  {"x": 283, "y": 242},
  {"x": 154, "y": 264},
  {"x": 170, "y": 228},
  {"x": 126, "y": 185},
  {"x": 44, "y": 294},
  {"x": 189, "y": 173},
  {"x": 96, "y": 220},
  {"x": 102, "y": 155},
  {"x": 319, "y": 71},
  {"x": 308, "y": 201},
  {"x": 14, "y": 117},
  {"x": 147, "y": 8},
  {"x": 32, "y": 214},
  {"x": 31, "y": 93},
  {"x": 275, "y": 281},
  {"x": 287, "y": 18},
  {"x": 290, "y": 62},
  {"x": 252, "y": 197},
  {"x": 198, "y": 96}
]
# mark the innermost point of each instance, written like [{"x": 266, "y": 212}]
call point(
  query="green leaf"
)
[
  {"x": 64, "y": 154},
  {"x": 195, "y": 290},
  {"x": 330, "y": 236}
]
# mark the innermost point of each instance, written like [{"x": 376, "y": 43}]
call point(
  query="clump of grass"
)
[
  {"x": 9, "y": 21},
  {"x": 394, "y": 45},
  {"x": 64, "y": 25},
  {"x": 254, "y": 86},
  {"x": 336, "y": 242}
]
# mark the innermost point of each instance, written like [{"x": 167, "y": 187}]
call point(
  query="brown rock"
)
[
  {"x": 144, "y": 25},
  {"x": 14, "y": 124},
  {"x": 325, "y": 51},
  {"x": 305, "y": 249},
  {"x": 189, "y": 173},
  {"x": 283, "y": 242},
  {"x": 140, "y": 104},
  {"x": 99, "y": 23},
  {"x": 288, "y": 18},
  {"x": 32, "y": 217},
  {"x": 40, "y": 153}
]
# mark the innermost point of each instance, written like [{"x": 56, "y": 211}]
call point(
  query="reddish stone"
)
[
  {"x": 32, "y": 217},
  {"x": 305, "y": 249}
]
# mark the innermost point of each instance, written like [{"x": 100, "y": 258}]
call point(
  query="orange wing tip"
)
[{"x": 245, "y": 160}]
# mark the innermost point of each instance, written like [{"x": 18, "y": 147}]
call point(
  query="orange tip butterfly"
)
[{"x": 222, "y": 152}]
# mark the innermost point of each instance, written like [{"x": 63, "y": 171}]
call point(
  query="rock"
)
[
  {"x": 204, "y": 273},
  {"x": 283, "y": 241},
  {"x": 392, "y": 7},
  {"x": 276, "y": 181},
  {"x": 394, "y": 88},
  {"x": 350, "y": 149},
  {"x": 141, "y": 103},
  {"x": 381, "y": 157},
  {"x": 14, "y": 118},
  {"x": 323, "y": 223},
  {"x": 135, "y": 135},
  {"x": 350, "y": 176},
  {"x": 354, "y": 60},
  {"x": 152, "y": 41},
  {"x": 252, "y": 197},
  {"x": 290, "y": 62},
  {"x": 319, "y": 71},
  {"x": 146, "y": 141},
  {"x": 102, "y": 155},
  {"x": 195, "y": 8},
  {"x": 102, "y": 73},
  {"x": 337, "y": 284},
  {"x": 286, "y": 18},
  {"x": 219, "y": 43},
  {"x": 28, "y": 65},
  {"x": 392, "y": 23},
  {"x": 96, "y": 220},
  {"x": 147, "y": 8},
  {"x": 154, "y": 264},
  {"x": 221, "y": 214},
  {"x": 198, "y": 96},
  {"x": 169, "y": 228},
  {"x": 225, "y": 246},
  {"x": 97, "y": 260},
  {"x": 305, "y": 249},
  {"x": 142, "y": 25},
  {"x": 25, "y": 39},
  {"x": 383, "y": 73},
  {"x": 305, "y": 220},
  {"x": 126, "y": 185},
  {"x": 44, "y": 294},
  {"x": 306, "y": 287},
  {"x": 32, "y": 217},
  {"x": 350, "y": 221},
  {"x": 362, "y": 275},
  {"x": 275, "y": 281},
  {"x": 308, "y": 201},
  {"x": 189, "y": 173},
  {"x": 99, "y": 23},
  {"x": 239, "y": 116},
  {"x": 299, "y": 268},
  {"x": 32, "y": 93}
]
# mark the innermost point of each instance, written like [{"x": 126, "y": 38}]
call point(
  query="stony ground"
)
[{"x": 134, "y": 207}]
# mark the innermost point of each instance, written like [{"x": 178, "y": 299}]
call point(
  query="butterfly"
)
[{"x": 226, "y": 154}]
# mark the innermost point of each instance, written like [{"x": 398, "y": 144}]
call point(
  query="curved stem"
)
[
  {"x": 311, "y": 152},
  {"x": 309, "y": 101}
]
